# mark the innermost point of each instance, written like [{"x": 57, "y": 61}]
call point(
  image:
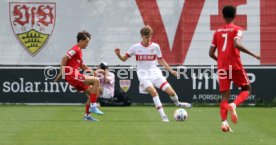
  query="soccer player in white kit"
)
[{"x": 149, "y": 75}]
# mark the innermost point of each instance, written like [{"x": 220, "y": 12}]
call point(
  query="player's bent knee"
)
[
  {"x": 225, "y": 95},
  {"x": 246, "y": 88},
  {"x": 152, "y": 91},
  {"x": 91, "y": 81},
  {"x": 96, "y": 81},
  {"x": 89, "y": 90},
  {"x": 153, "y": 94}
]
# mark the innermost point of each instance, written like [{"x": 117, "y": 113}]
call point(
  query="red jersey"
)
[
  {"x": 75, "y": 55},
  {"x": 223, "y": 40},
  {"x": 73, "y": 76}
]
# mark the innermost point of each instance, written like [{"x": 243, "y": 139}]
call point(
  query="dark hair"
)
[
  {"x": 146, "y": 30},
  {"x": 103, "y": 66},
  {"x": 229, "y": 12},
  {"x": 83, "y": 35}
]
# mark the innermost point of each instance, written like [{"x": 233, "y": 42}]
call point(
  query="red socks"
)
[
  {"x": 93, "y": 98},
  {"x": 241, "y": 97},
  {"x": 87, "y": 106},
  {"x": 223, "y": 109},
  {"x": 224, "y": 103}
]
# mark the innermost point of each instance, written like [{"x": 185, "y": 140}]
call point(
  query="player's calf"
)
[{"x": 232, "y": 109}]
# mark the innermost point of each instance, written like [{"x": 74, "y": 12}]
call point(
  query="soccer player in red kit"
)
[
  {"x": 227, "y": 42},
  {"x": 70, "y": 64}
]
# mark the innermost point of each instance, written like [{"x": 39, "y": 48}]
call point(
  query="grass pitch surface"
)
[{"x": 63, "y": 125}]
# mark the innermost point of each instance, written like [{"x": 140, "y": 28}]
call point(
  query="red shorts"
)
[
  {"x": 77, "y": 81},
  {"x": 239, "y": 77}
]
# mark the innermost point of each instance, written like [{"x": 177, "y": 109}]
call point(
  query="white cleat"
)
[
  {"x": 184, "y": 105},
  {"x": 165, "y": 119}
]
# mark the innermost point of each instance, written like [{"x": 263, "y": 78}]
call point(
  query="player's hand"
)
[
  {"x": 117, "y": 51},
  {"x": 174, "y": 73},
  {"x": 106, "y": 80},
  {"x": 100, "y": 71}
]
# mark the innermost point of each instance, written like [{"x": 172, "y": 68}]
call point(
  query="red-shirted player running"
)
[
  {"x": 70, "y": 64},
  {"x": 227, "y": 42}
]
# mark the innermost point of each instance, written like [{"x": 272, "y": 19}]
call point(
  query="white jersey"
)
[{"x": 146, "y": 60}]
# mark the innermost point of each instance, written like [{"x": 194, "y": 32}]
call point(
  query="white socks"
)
[
  {"x": 93, "y": 104},
  {"x": 175, "y": 100},
  {"x": 158, "y": 106},
  {"x": 225, "y": 122}
]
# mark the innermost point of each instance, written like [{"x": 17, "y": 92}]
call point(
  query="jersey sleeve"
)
[
  {"x": 158, "y": 52},
  {"x": 130, "y": 51},
  {"x": 72, "y": 53},
  {"x": 238, "y": 33},
  {"x": 214, "y": 41}
]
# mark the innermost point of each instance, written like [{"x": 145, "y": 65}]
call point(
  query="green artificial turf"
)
[{"x": 136, "y": 125}]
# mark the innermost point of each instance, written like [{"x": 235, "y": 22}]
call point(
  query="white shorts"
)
[
  {"x": 106, "y": 94},
  {"x": 160, "y": 83}
]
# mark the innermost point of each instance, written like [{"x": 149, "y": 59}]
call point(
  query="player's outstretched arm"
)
[
  {"x": 212, "y": 52},
  {"x": 239, "y": 46},
  {"x": 118, "y": 53},
  {"x": 166, "y": 66}
]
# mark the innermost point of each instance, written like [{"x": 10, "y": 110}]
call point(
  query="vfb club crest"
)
[
  {"x": 125, "y": 85},
  {"x": 32, "y": 23}
]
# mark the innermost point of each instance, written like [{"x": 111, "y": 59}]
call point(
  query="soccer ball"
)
[{"x": 180, "y": 114}]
